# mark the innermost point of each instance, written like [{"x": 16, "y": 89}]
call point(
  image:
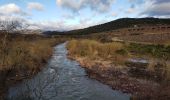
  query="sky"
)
[{"x": 63, "y": 15}]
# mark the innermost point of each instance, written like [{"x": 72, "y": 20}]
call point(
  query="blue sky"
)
[{"x": 74, "y": 14}]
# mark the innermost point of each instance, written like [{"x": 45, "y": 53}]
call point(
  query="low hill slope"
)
[{"x": 113, "y": 25}]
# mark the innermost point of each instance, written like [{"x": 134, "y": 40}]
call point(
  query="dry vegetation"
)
[
  {"x": 94, "y": 50},
  {"x": 23, "y": 56},
  {"x": 26, "y": 54},
  {"x": 109, "y": 63},
  {"x": 113, "y": 50},
  {"x": 163, "y": 38}
]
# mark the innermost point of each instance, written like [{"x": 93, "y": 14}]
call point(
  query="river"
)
[{"x": 63, "y": 79}]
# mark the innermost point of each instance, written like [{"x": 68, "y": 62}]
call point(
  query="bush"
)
[
  {"x": 122, "y": 52},
  {"x": 159, "y": 51}
]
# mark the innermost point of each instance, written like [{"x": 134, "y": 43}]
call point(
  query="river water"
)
[{"x": 63, "y": 79}]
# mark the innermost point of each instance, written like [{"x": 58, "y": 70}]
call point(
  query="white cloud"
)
[
  {"x": 156, "y": 8},
  {"x": 49, "y": 25},
  {"x": 6, "y": 17},
  {"x": 63, "y": 25},
  {"x": 132, "y": 0},
  {"x": 76, "y": 5},
  {"x": 35, "y": 6},
  {"x": 68, "y": 16},
  {"x": 9, "y": 9},
  {"x": 72, "y": 4},
  {"x": 159, "y": 9}
]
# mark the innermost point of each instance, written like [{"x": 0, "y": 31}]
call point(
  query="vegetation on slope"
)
[
  {"x": 113, "y": 25},
  {"x": 158, "y": 51}
]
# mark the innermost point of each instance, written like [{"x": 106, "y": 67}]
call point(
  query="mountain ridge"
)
[{"x": 114, "y": 25}]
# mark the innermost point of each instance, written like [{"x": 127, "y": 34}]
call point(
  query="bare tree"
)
[{"x": 7, "y": 27}]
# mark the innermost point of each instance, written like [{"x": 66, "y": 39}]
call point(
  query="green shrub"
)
[
  {"x": 159, "y": 51},
  {"x": 122, "y": 52}
]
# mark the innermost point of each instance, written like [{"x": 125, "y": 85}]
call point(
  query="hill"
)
[{"x": 113, "y": 25}]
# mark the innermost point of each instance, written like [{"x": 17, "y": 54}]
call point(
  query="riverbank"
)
[
  {"x": 63, "y": 79},
  {"x": 23, "y": 57},
  {"x": 143, "y": 80},
  {"x": 118, "y": 78}
]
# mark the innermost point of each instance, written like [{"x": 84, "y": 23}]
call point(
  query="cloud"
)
[
  {"x": 63, "y": 25},
  {"x": 45, "y": 25},
  {"x": 132, "y": 0},
  {"x": 160, "y": 1},
  {"x": 76, "y": 5},
  {"x": 41, "y": 25},
  {"x": 10, "y": 9},
  {"x": 53, "y": 25},
  {"x": 35, "y": 6},
  {"x": 157, "y": 8},
  {"x": 87, "y": 22},
  {"x": 68, "y": 16},
  {"x": 6, "y": 18}
]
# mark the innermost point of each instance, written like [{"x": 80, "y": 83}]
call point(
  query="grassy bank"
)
[
  {"x": 95, "y": 50},
  {"x": 23, "y": 56},
  {"x": 109, "y": 63}
]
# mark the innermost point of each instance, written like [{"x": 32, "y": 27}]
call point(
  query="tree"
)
[{"x": 7, "y": 27}]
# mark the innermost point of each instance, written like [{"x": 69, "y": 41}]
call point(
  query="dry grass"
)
[
  {"x": 22, "y": 53},
  {"x": 22, "y": 57},
  {"x": 95, "y": 50},
  {"x": 167, "y": 42},
  {"x": 95, "y": 56},
  {"x": 163, "y": 38},
  {"x": 26, "y": 54}
]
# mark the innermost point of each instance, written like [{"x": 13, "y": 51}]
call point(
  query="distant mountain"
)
[
  {"x": 113, "y": 25},
  {"x": 38, "y": 32}
]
